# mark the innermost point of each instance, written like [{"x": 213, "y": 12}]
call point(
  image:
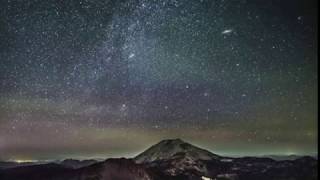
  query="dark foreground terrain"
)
[{"x": 167, "y": 160}]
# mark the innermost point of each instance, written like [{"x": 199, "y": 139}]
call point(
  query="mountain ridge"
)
[{"x": 170, "y": 159}]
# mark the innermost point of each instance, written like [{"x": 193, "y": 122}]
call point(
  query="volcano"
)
[{"x": 174, "y": 148}]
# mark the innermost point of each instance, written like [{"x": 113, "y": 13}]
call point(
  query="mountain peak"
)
[
  {"x": 174, "y": 148},
  {"x": 172, "y": 141}
]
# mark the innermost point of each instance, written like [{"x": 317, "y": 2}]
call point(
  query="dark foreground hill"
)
[{"x": 170, "y": 160}]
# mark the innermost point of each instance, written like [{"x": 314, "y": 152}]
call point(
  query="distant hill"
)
[
  {"x": 286, "y": 157},
  {"x": 75, "y": 164},
  {"x": 11, "y": 164}
]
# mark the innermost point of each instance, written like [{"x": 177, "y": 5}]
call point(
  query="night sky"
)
[{"x": 103, "y": 78}]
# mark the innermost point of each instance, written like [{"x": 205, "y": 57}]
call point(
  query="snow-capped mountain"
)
[
  {"x": 176, "y": 157},
  {"x": 172, "y": 149}
]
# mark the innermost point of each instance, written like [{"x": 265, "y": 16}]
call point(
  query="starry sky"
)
[{"x": 105, "y": 78}]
